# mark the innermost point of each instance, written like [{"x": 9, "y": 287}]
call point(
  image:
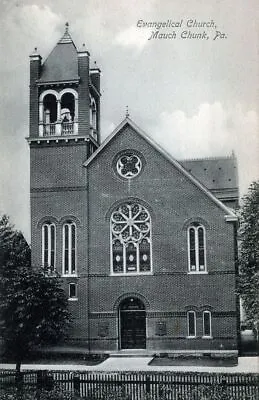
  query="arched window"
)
[
  {"x": 58, "y": 112},
  {"x": 67, "y": 113},
  {"x": 69, "y": 248},
  {"x": 49, "y": 245},
  {"x": 196, "y": 248},
  {"x": 93, "y": 117},
  {"x": 49, "y": 114},
  {"x": 206, "y": 317},
  {"x": 191, "y": 324},
  {"x": 50, "y": 108},
  {"x": 131, "y": 239}
]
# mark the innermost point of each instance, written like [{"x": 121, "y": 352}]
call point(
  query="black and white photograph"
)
[{"x": 129, "y": 200}]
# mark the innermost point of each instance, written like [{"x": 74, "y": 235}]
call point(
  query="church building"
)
[{"x": 145, "y": 244}]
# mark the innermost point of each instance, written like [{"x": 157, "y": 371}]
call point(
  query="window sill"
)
[
  {"x": 197, "y": 272},
  {"x": 73, "y": 299},
  {"x": 207, "y": 337},
  {"x": 191, "y": 337},
  {"x": 131, "y": 273},
  {"x": 69, "y": 276}
]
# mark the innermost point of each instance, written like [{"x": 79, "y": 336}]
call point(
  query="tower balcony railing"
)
[
  {"x": 49, "y": 129},
  {"x": 58, "y": 129},
  {"x": 67, "y": 128}
]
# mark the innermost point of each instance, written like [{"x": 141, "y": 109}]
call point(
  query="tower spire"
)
[{"x": 66, "y": 38}]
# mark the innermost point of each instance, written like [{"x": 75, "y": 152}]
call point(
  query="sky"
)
[{"x": 197, "y": 97}]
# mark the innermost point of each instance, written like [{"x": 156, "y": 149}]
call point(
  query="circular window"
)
[{"x": 129, "y": 165}]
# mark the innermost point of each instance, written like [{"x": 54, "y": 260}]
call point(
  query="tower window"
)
[
  {"x": 69, "y": 248},
  {"x": 67, "y": 107},
  {"x": 206, "y": 323},
  {"x": 48, "y": 245},
  {"x": 191, "y": 323},
  {"x": 93, "y": 117},
  {"x": 130, "y": 239},
  {"x": 50, "y": 109},
  {"x": 196, "y": 248}
]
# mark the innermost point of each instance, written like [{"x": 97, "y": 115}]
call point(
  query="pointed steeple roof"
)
[
  {"x": 62, "y": 63},
  {"x": 66, "y": 38}
]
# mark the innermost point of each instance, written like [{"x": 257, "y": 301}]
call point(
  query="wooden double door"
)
[{"x": 132, "y": 324}]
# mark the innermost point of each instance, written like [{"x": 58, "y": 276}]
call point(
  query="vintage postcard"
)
[{"x": 129, "y": 135}]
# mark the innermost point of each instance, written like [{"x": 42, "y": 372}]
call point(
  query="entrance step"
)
[{"x": 132, "y": 353}]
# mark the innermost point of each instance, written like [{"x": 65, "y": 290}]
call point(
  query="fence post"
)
[
  {"x": 49, "y": 383},
  {"x": 76, "y": 384},
  {"x": 44, "y": 381},
  {"x": 19, "y": 384},
  {"x": 147, "y": 384},
  {"x": 40, "y": 379},
  {"x": 224, "y": 387}
]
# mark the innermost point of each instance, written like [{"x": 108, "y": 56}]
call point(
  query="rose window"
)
[
  {"x": 129, "y": 165},
  {"x": 131, "y": 235}
]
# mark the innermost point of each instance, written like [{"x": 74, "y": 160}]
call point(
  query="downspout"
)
[
  {"x": 235, "y": 227},
  {"x": 87, "y": 273}
]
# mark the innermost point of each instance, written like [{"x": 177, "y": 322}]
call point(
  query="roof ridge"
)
[{"x": 207, "y": 158}]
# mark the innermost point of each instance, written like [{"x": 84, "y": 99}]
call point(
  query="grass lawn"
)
[{"x": 204, "y": 361}]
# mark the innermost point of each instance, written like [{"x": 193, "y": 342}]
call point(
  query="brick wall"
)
[
  {"x": 35, "y": 66},
  {"x": 62, "y": 187},
  {"x": 172, "y": 200},
  {"x": 83, "y": 95}
]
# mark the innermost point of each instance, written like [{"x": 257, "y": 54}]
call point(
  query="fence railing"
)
[{"x": 134, "y": 385}]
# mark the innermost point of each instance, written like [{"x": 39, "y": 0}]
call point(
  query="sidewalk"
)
[{"x": 245, "y": 365}]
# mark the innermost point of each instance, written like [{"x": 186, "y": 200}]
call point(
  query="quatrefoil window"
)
[{"x": 129, "y": 165}]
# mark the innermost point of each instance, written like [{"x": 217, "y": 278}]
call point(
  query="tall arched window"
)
[
  {"x": 196, "y": 248},
  {"x": 191, "y": 324},
  {"x": 49, "y": 114},
  {"x": 206, "y": 316},
  {"x": 67, "y": 113},
  {"x": 49, "y": 245},
  {"x": 131, "y": 239},
  {"x": 69, "y": 248}
]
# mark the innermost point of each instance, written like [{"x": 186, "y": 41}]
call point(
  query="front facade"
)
[{"x": 145, "y": 248}]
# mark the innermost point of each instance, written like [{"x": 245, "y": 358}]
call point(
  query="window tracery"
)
[
  {"x": 131, "y": 239},
  {"x": 129, "y": 165}
]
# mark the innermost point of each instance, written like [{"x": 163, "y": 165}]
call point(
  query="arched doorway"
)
[{"x": 132, "y": 317}]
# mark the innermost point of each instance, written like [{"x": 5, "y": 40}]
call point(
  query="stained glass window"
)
[{"x": 131, "y": 239}]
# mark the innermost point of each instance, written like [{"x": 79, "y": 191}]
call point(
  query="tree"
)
[
  {"x": 33, "y": 305},
  {"x": 249, "y": 254}
]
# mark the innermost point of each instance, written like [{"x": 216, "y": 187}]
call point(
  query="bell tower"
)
[
  {"x": 65, "y": 95},
  {"x": 64, "y": 131}
]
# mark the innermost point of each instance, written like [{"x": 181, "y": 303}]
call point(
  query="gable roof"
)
[
  {"x": 230, "y": 215},
  {"x": 62, "y": 63}
]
